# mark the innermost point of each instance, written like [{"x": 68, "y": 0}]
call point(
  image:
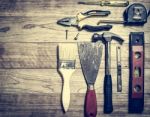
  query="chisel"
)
[{"x": 119, "y": 71}]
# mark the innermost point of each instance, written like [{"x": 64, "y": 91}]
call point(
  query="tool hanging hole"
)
[
  {"x": 137, "y": 88},
  {"x": 137, "y": 72},
  {"x": 91, "y": 115},
  {"x": 137, "y": 41},
  {"x": 137, "y": 55}
]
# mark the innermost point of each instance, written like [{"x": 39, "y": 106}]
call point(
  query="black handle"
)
[
  {"x": 148, "y": 13},
  {"x": 97, "y": 13},
  {"x": 96, "y": 28},
  {"x": 108, "y": 107}
]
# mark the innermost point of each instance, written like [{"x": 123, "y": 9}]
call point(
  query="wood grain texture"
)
[
  {"x": 49, "y": 81},
  {"x": 34, "y": 21},
  {"x": 30, "y": 85},
  {"x": 39, "y": 29},
  {"x": 44, "y": 55},
  {"x": 46, "y": 7},
  {"x": 39, "y": 105}
]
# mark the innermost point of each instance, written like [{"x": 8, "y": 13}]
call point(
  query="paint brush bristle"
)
[{"x": 67, "y": 51}]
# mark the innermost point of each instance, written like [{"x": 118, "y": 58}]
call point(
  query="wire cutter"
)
[{"x": 75, "y": 21}]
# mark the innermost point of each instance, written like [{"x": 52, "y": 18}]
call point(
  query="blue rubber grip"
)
[
  {"x": 97, "y": 28},
  {"x": 108, "y": 107}
]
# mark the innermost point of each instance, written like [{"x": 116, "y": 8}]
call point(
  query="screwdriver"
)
[
  {"x": 119, "y": 70},
  {"x": 113, "y": 3}
]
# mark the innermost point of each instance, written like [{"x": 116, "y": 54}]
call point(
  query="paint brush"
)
[{"x": 66, "y": 64}]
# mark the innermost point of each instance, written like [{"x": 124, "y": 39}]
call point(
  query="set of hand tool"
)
[{"x": 90, "y": 54}]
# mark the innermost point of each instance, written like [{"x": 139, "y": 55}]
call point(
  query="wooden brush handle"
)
[{"x": 66, "y": 73}]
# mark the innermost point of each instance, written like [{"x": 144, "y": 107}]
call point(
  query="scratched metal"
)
[{"x": 90, "y": 58}]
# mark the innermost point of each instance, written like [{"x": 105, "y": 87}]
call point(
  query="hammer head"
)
[{"x": 107, "y": 37}]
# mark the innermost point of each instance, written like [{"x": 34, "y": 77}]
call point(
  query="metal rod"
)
[
  {"x": 108, "y": 58},
  {"x": 110, "y": 22}
]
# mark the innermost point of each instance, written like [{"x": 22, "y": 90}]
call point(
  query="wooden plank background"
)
[{"x": 30, "y": 85}]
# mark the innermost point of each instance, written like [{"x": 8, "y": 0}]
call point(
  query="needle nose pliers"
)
[{"x": 75, "y": 21}]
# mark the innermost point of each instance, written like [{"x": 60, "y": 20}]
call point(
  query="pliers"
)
[{"x": 75, "y": 21}]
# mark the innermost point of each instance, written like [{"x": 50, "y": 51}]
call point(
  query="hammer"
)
[{"x": 106, "y": 38}]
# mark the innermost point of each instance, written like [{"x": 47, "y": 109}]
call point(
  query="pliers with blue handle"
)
[{"x": 75, "y": 21}]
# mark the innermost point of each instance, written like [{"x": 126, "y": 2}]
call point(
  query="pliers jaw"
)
[{"x": 68, "y": 21}]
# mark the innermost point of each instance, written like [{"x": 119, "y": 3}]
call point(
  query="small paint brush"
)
[{"x": 67, "y": 60}]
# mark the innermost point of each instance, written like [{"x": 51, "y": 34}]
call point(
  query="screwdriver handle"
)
[
  {"x": 119, "y": 78},
  {"x": 108, "y": 107},
  {"x": 115, "y": 3}
]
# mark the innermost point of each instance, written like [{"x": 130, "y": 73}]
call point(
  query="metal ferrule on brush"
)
[{"x": 67, "y": 64}]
